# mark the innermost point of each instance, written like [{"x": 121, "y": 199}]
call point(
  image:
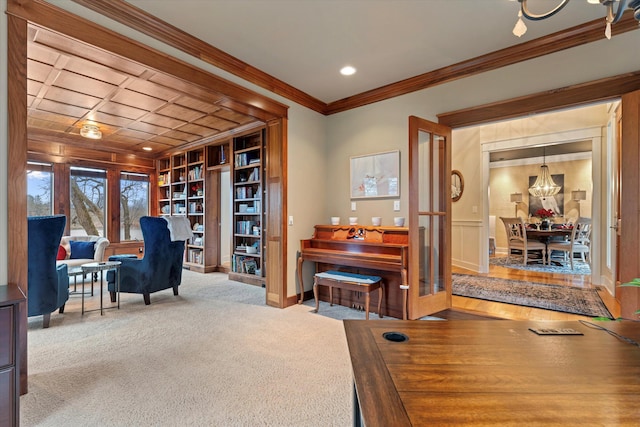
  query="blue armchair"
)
[
  {"x": 160, "y": 268},
  {"x": 47, "y": 284}
]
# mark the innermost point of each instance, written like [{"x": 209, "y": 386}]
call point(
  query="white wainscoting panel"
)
[{"x": 465, "y": 250}]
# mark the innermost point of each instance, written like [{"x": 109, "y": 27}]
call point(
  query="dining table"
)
[{"x": 545, "y": 237}]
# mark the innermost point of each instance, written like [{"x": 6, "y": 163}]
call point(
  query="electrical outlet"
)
[
  {"x": 290, "y": 219},
  {"x": 396, "y": 205},
  {"x": 353, "y": 206}
]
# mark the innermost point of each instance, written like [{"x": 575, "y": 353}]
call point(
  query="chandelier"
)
[
  {"x": 613, "y": 13},
  {"x": 544, "y": 185}
]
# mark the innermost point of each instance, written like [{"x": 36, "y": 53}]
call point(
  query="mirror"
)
[{"x": 457, "y": 185}]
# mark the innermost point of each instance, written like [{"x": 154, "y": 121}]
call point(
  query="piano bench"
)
[{"x": 350, "y": 282}]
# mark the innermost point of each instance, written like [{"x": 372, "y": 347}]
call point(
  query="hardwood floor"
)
[{"x": 472, "y": 306}]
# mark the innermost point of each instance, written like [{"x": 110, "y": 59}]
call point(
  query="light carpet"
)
[
  {"x": 579, "y": 267},
  {"x": 566, "y": 299},
  {"x": 215, "y": 355}
]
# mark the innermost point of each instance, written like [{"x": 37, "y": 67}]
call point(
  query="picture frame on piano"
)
[{"x": 375, "y": 175}]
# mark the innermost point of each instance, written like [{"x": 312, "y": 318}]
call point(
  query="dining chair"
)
[
  {"x": 580, "y": 242},
  {"x": 517, "y": 239}
]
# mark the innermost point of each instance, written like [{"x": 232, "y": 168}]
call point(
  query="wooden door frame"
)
[{"x": 19, "y": 15}]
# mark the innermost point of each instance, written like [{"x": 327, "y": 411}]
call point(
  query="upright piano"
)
[{"x": 370, "y": 250}]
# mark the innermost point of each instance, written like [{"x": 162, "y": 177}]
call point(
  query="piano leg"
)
[
  {"x": 381, "y": 295},
  {"x": 405, "y": 289},
  {"x": 367, "y": 298},
  {"x": 315, "y": 294},
  {"x": 300, "y": 261}
]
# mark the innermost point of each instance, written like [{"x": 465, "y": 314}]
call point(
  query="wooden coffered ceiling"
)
[{"x": 70, "y": 84}]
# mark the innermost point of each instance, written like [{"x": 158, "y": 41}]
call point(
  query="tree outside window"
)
[
  {"x": 39, "y": 189},
  {"x": 88, "y": 202},
  {"x": 134, "y": 204}
]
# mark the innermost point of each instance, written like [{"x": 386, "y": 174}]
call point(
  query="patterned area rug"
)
[
  {"x": 579, "y": 267},
  {"x": 565, "y": 299}
]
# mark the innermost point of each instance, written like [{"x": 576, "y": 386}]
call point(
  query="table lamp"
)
[
  {"x": 516, "y": 198},
  {"x": 577, "y": 196}
]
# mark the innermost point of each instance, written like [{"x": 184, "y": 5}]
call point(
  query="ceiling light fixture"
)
[
  {"x": 613, "y": 14},
  {"x": 544, "y": 185},
  {"x": 90, "y": 131},
  {"x": 347, "y": 71},
  {"x": 147, "y": 148}
]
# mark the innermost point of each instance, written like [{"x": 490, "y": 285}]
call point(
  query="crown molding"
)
[{"x": 148, "y": 24}]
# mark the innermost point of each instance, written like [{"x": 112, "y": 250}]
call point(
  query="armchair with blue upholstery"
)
[
  {"x": 160, "y": 268},
  {"x": 47, "y": 284}
]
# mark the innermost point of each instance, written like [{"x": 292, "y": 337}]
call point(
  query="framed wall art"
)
[
  {"x": 375, "y": 175},
  {"x": 457, "y": 185}
]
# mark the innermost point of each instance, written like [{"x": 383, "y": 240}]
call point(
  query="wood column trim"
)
[
  {"x": 541, "y": 102},
  {"x": 276, "y": 230},
  {"x": 17, "y": 247},
  {"x": 629, "y": 297}
]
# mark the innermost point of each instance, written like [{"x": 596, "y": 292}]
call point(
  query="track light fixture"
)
[{"x": 615, "y": 9}]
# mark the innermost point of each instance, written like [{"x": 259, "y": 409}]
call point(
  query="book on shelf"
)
[
  {"x": 244, "y": 192},
  {"x": 195, "y": 256},
  {"x": 241, "y": 159},
  {"x": 195, "y": 173},
  {"x": 244, "y": 264},
  {"x": 255, "y": 175},
  {"x": 245, "y": 227}
]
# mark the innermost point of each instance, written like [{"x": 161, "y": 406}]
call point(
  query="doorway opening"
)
[{"x": 577, "y": 144}]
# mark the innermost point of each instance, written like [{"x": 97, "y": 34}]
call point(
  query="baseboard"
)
[{"x": 466, "y": 265}]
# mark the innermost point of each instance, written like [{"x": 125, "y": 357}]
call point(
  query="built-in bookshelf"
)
[
  {"x": 219, "y": 156},
  {"x": 195, "y": 254},
  {"x": 189, "y": 185},
  {"x": 182, "y": 190},
  {"x": 248, "y": 209}
]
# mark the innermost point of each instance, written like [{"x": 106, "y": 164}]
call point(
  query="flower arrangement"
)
[
  {"x": 196, "y": 187},
  {"x": 545, "y": 213}
]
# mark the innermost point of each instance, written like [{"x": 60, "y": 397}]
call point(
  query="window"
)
[
  {"x": 88, "y": 202},
  {"x": 134, "y": 203},
  {"x": 39, "y": 189}
]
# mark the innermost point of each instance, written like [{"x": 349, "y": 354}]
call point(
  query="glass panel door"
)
[{"x": 429, "y": 217}]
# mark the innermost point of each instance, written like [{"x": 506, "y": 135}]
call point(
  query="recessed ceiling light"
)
[
  {"x": 347, "y": 71},
  {"x": 90, "y": 131},
  {"x": 147, "y": 148}
]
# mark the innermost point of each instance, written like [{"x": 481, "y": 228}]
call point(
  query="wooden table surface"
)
[
  {"x": 494, "y": 372},
  {"x": 549, "y": 233}
]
